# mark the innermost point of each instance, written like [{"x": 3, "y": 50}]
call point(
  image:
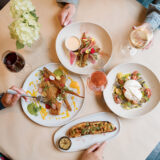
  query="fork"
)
[{"x": 38, "y": 98}]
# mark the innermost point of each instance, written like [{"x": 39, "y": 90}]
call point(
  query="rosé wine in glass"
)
[{"x": 97, "y": 82}]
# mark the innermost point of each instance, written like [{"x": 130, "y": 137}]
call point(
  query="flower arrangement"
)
[{"x": 25, "y": 28}]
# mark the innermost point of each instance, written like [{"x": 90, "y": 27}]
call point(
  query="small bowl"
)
[{"x": 71, "y": 41}]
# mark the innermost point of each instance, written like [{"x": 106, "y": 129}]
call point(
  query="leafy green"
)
[
  {"x": 33, "y": 13},
  {"x": 87, "y": 124},
  {"x": 46, "y": 88},
  {"x": 32, "y": 26},
  {"x": 111, "y": 127},
  {"x": 129, "y": 104},
  {"x": 50, "y": 103},
  {"x": 66, "y": 89},
  {"x": 19, "y": 45},
  {"x": 123, "y": 78},
  {"x": 59, "y": 97},
  {"x": 138, "y": 74},
  {"x": 97, "y": 128},
  {"x": 83, "y": 131}
]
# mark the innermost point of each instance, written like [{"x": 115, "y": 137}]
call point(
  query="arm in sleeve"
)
[
  {"x": 153, "y": 15},
  {"x": 1, "y": 105},
  {"x": 3, "y": 3},
  {"x": 68, "y": 1}
]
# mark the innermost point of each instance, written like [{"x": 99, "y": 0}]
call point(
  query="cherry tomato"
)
[
  {"x": 117, "y": 100},
  {"x": 62, "y": 85},
  {"x": 120, "y": 81},
  {"x": 148, "y": 92},
  {"x": 134, "y": 75},
  {"x": 134, "y": 102},
  {"x": 135, "y": 72},
  {"x": 47, "y": 106},
  {"x": 92, "y": 50},
  {"x": 124, "y": 90},
  {"x": 46, "y": 79}
]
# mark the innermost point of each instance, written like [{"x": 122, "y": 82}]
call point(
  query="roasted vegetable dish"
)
[
  {"x": 130, "y": 90},
  {"x": 53, "y": 87},
  {"x": 90, "y": 128},
  {"x": 88, "y": 52}
]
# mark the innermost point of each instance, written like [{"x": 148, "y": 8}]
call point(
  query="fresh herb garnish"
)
[
  {"x": 45, "y": 88},
  {"x": 59, "y": 97},
  {"x": 66, "y": 89},
  {"x": 50, "y": 102}
]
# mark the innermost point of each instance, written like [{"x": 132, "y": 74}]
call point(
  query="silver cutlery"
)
[{"x": 38, "y": 98}]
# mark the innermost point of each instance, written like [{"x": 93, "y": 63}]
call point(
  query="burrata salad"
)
[{"x": 130, "y": 90}]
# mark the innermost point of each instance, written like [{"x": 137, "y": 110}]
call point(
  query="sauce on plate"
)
[{"x": 73, "y": 43}]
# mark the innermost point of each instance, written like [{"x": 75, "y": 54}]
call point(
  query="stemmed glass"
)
[
  {"x": 97, "y": 82},
  {"x": 139, "y": 39}
]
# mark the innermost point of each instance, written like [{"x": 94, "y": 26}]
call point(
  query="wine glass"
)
[
  {"x": 13, "y": 61},
  {"x": 139, "y": 38},
  {"x": 97, "y": 82}
]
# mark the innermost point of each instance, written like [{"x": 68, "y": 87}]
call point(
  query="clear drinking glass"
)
[
  {"x": 139, "y": 39},
  {"x": 97, "y": 82},
  {"x": 13, "y": 61}
]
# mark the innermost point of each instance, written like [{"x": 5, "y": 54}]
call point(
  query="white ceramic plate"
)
[
  {"x": 31, "y": 86},
  {"x": 84, "y": 142},
  {"x": 101, "y": 37},
  {"x": 151, "y": 81}
]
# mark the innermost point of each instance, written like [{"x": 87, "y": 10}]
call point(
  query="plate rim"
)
[
  {"x": 81, "y": 22},
  {"x": 132, "y": 63},
  {"x": 65, "y": 122}
]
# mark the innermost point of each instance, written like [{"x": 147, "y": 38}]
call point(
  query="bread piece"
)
[{"x": 90, "y": 128}]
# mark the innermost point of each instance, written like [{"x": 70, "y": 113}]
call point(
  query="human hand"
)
[
  {"x": 143, "y": 26},
  {"x": 95, "y": 152},
  {"x": 66, "y": 14},
  {"x": 9, "y": 100}
]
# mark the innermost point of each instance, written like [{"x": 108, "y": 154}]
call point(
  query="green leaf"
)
[
  {"x": 50, "y": 103},
  {"x": 32, "y": 26},
  {"x": 129, "y": 104},
  {"x": 123, "y": 78},
  {"x": 138, "y": 74},
  {"x": 33, "y": 13},
  {"x": 19, "y": 45},
  {"x": 46, "y": 88},
  {"x": 83, "y": 131},
  {"x": 66, "y": 89}
]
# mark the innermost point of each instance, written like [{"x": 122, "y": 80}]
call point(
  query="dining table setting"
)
[{"x": 94, "y": 80}]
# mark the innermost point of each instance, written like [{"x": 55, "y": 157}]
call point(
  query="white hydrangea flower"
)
[
  {"x": 26, "y": 31},
  {"x": 19, "y": 7},
  {"x": 25, "y": 28}
]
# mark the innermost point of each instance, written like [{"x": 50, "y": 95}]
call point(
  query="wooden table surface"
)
[{"x": 22, "y": 139}]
